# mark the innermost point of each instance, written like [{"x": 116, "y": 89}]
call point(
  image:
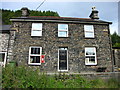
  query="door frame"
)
[{"x": 58, "y": 59}]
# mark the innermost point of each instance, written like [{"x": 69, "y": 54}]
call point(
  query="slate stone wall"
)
[
  {"x": 11, "y": 46},
  {"x": 7, "y": 44},
  {"x": 76, "y": 43},
  {"x": 4, "y": 38}
]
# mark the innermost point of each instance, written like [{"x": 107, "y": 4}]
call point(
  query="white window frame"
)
[
  {"x": 62, "y": 30},
  {"x": 58, "y": 61},
  {"x": 40, "y": 29},
  {"x": 87, "y": 61},
  {"x": 4, "y": 62},
  {"x": 34, "y": 55},
  {"x": 89, "y": 31}
]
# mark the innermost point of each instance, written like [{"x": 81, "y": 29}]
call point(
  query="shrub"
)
[
  {"x": 26, "y": 77},
  {"x": 112, "y": 83},
  {"x": 22, "y": 77},
  {"x": 98, "y": 83}
]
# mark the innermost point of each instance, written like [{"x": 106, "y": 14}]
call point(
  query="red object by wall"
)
[{"x": 42, "y": 58}]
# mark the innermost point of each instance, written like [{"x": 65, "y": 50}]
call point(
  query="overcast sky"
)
[{"x": 108, "y": 11}]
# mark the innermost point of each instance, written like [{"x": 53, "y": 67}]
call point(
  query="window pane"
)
[
  {"x": 36, "y": 33},
  {"x": 36, "y": 26},
  {"x": 34, "y": 59},
  {"x": 89, "y": 34},
  {"x": 62, "y": 54},
  {"x": 87, "y": 60},
  {"x": 88, "y": 27},
  {"x": 89, "y": 31},
  {"x": 90, "y": 59},
  {"x": 62, "y": 27},
  {"x": 90, "y": 51},
  {"x": 35, "y": 50},
  {"x": 2, "y": 57},
  {"x": 62, "y": 34}
]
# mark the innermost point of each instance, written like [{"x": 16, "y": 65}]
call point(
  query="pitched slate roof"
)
[{"x": 60, "y": 19}]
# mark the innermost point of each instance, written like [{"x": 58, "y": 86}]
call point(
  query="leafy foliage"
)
[
  {"x": 116, "y": 45},
  {"x": 7, "y": 14},
  {"x": 115, "y": 40},
  {"x": 28, "y": 77}
]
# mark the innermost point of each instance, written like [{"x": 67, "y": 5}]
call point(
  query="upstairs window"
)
[
  {"x": 89, "y": 31},
  {"x": 35, "y": 55},
  {"x": 90, "y": 56},
  {"x": 36, "y": 29},
  {"x": 62, "y": 30}
]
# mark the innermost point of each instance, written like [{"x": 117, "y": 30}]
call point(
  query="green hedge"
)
[{"x": 26, "y": 77}]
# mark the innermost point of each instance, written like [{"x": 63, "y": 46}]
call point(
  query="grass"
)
[{"x": 25, "y": 77}]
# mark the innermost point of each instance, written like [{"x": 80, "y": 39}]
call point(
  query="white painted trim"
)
[
  {"x": 58, "y": 61},
  {"x": 4, "y": 59},
  {"x": 91, "y": 55},
  {"x": 34, "y": 55}
]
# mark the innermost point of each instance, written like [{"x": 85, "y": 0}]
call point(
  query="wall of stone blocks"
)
[
  {"x": 102, "y": 75},
  {"x": 117, "y": 57},
  {"x": 11, "y": 46},
  {"x": 76, "y": 43},
  {"x": 7, "y": 44},
  {"x": 4, "y": 39}
]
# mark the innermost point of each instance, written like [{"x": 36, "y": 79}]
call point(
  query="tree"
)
[
  {"x": 117, "y": 45},
  {"x": 7, "y": 14},
  {"x": 115, "y": 40}
]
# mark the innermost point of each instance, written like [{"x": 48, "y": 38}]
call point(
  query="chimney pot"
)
[
  {"x": 94, "y": 14},
  {"x": 25, "y": 12}
]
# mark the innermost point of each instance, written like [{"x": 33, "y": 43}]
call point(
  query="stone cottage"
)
[{"x": 62, "y": 44}]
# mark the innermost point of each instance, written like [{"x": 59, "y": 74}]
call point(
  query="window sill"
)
[
  {"x": 90, "y": 64},
  {"x": 34, "y": 64},
  {"x": 89, "y": 37}
]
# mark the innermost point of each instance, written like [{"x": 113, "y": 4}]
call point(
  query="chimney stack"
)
[
  {"x": 94, "y": 14},
  {"x": 25, "y": 12}
]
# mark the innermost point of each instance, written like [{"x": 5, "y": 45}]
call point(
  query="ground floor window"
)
[
  {"x": 35, "y": 55},
  {"x": 3, "y": 58},
  {"x": 63, "y": 59},
  {"x": 90, "y": 56}
]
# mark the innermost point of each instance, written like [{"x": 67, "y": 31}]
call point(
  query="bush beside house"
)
[{"x": 27, "y": 77}]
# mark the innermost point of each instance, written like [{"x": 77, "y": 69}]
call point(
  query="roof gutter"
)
[{"x": 60, "y": 21}]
